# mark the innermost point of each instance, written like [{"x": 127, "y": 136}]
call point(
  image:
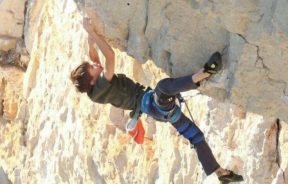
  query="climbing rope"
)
[
  {"x": 189, "y": 111},
  {"x": 183, "y": 99}
]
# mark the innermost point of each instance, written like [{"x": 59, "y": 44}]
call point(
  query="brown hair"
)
[{"x": 81, "y": 77}]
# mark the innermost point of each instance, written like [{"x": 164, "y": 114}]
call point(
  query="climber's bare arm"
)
[
  {"x": 92, "y": 51},
  {"x": 108, "y": 54},
  {"x": 103, "y": 46}
]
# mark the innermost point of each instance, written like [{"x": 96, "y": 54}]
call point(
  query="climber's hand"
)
[
  {"x": 87, "y": 24},
  {"x": 95, "y": 20}
]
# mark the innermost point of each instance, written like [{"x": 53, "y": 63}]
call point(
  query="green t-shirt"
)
[{"x": 121, "y": 92}]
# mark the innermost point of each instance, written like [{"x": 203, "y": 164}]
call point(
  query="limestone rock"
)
[
  {"x": 32, "y": 21},
  {"x": 12, "y": 16},
  {"x": 180, "y": 37},
  {"x": 3, "y": 177},
  {"x": 54, "y": 134},
  {"x": 11, "y": 91},
  {"x": 7, "y": 43}
]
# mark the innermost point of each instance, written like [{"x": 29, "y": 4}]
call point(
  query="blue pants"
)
[{"x": 160, "y": 104}]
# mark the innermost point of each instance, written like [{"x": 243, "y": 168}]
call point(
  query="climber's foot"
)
[
  {"x": 214, "y": 64},
  {"x": 231, "y": 177}
]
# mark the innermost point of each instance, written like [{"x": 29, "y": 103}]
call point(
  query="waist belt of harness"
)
[{"x": 184, "y": 125}]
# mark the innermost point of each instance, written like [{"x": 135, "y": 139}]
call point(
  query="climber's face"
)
[{"x": 95, "y": 70}]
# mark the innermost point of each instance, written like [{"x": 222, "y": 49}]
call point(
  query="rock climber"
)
[{"x": 103, "y": 86}]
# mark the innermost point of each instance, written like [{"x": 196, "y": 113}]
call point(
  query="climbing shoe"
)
[
  {"x": 231, "y": 177},
  {"x": 214, "y": 64}
]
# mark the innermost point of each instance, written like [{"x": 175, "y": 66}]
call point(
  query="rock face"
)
[
  {"x": 49, "y": 133},
  {"x": 11, "y": 91},
  {"x": 12, "y": 21},
  {"x": 3, "y": 177},
  {"x": 180, "y": 36}
]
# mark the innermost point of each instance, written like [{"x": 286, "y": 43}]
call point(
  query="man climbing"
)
[{"x": 103, "y": 86}]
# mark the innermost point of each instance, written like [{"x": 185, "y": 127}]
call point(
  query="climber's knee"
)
[{"x": 188, "y": 129}]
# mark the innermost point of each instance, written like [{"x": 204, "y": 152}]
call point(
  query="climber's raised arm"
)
[
  {"x": 105, "y": 48},
  {"x": 92, "y": 51}
]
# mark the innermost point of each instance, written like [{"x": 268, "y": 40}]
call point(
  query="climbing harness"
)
[{"x": 175, "y": 116}]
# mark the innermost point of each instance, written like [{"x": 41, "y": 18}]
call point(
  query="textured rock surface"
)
[
  {"x": 181, "y": 35},
  {"x": 11, "y": 91},
  {"x": 3, "y": 177},
  {"x": 12, "y": 22},
  {"x": 56, "y": 135}
]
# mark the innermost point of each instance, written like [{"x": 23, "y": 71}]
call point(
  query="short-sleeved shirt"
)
[{"x": 121, "y": 92}]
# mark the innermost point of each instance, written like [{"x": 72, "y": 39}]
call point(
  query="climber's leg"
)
[
  {"x": 190, "y": 131},
  {"x": 167, "y": 89},
  {"x": 173, "y": 86},
  {"x": 206, "y": 157}
]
